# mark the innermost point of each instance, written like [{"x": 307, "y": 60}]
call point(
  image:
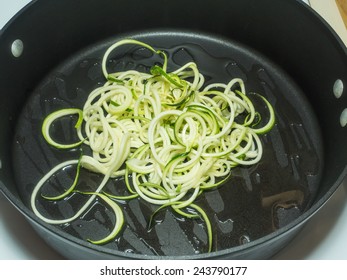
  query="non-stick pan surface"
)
[
  {"x": 261, "y": 207},
  {"x": 255, "y": 202}
]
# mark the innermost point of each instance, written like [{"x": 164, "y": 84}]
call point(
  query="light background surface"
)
[{"x": 323, "y": 237}]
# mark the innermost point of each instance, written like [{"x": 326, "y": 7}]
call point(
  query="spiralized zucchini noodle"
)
[{"x": 167, "y": 134}]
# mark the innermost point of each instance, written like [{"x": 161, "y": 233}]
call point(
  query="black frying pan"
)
[{"x": 265, "y": 206}]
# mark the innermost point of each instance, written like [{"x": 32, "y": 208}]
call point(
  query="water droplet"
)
[
  {"x": 129, "y": 251},
  {"x": 244, "y": 239},
  {"x": 20, "y": 140},
  {"x": 196, "y": 240}
]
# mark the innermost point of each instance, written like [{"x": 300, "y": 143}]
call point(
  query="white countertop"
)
[{"x": 324, "y": 236}]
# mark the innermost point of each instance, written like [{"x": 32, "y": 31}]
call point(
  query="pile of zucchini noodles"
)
[{"x": 166, "y": 134}]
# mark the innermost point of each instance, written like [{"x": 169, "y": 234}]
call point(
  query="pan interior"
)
[{"x": 255, "y": 202}]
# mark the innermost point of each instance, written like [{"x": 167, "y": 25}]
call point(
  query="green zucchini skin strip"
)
[
  {"x": 208, "y": 224},
  {"x": 130, "y": 42},
  {"x": 171, "y": 137},
  {"x": 69, "y": 190},
  {"x": 272, "y": 119},
  {"x": 121, "y": 197},
  {"x": 119, "y": 218},
  {"x": 56, "y": 115},
  {"x": 157, "y": 70}
]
